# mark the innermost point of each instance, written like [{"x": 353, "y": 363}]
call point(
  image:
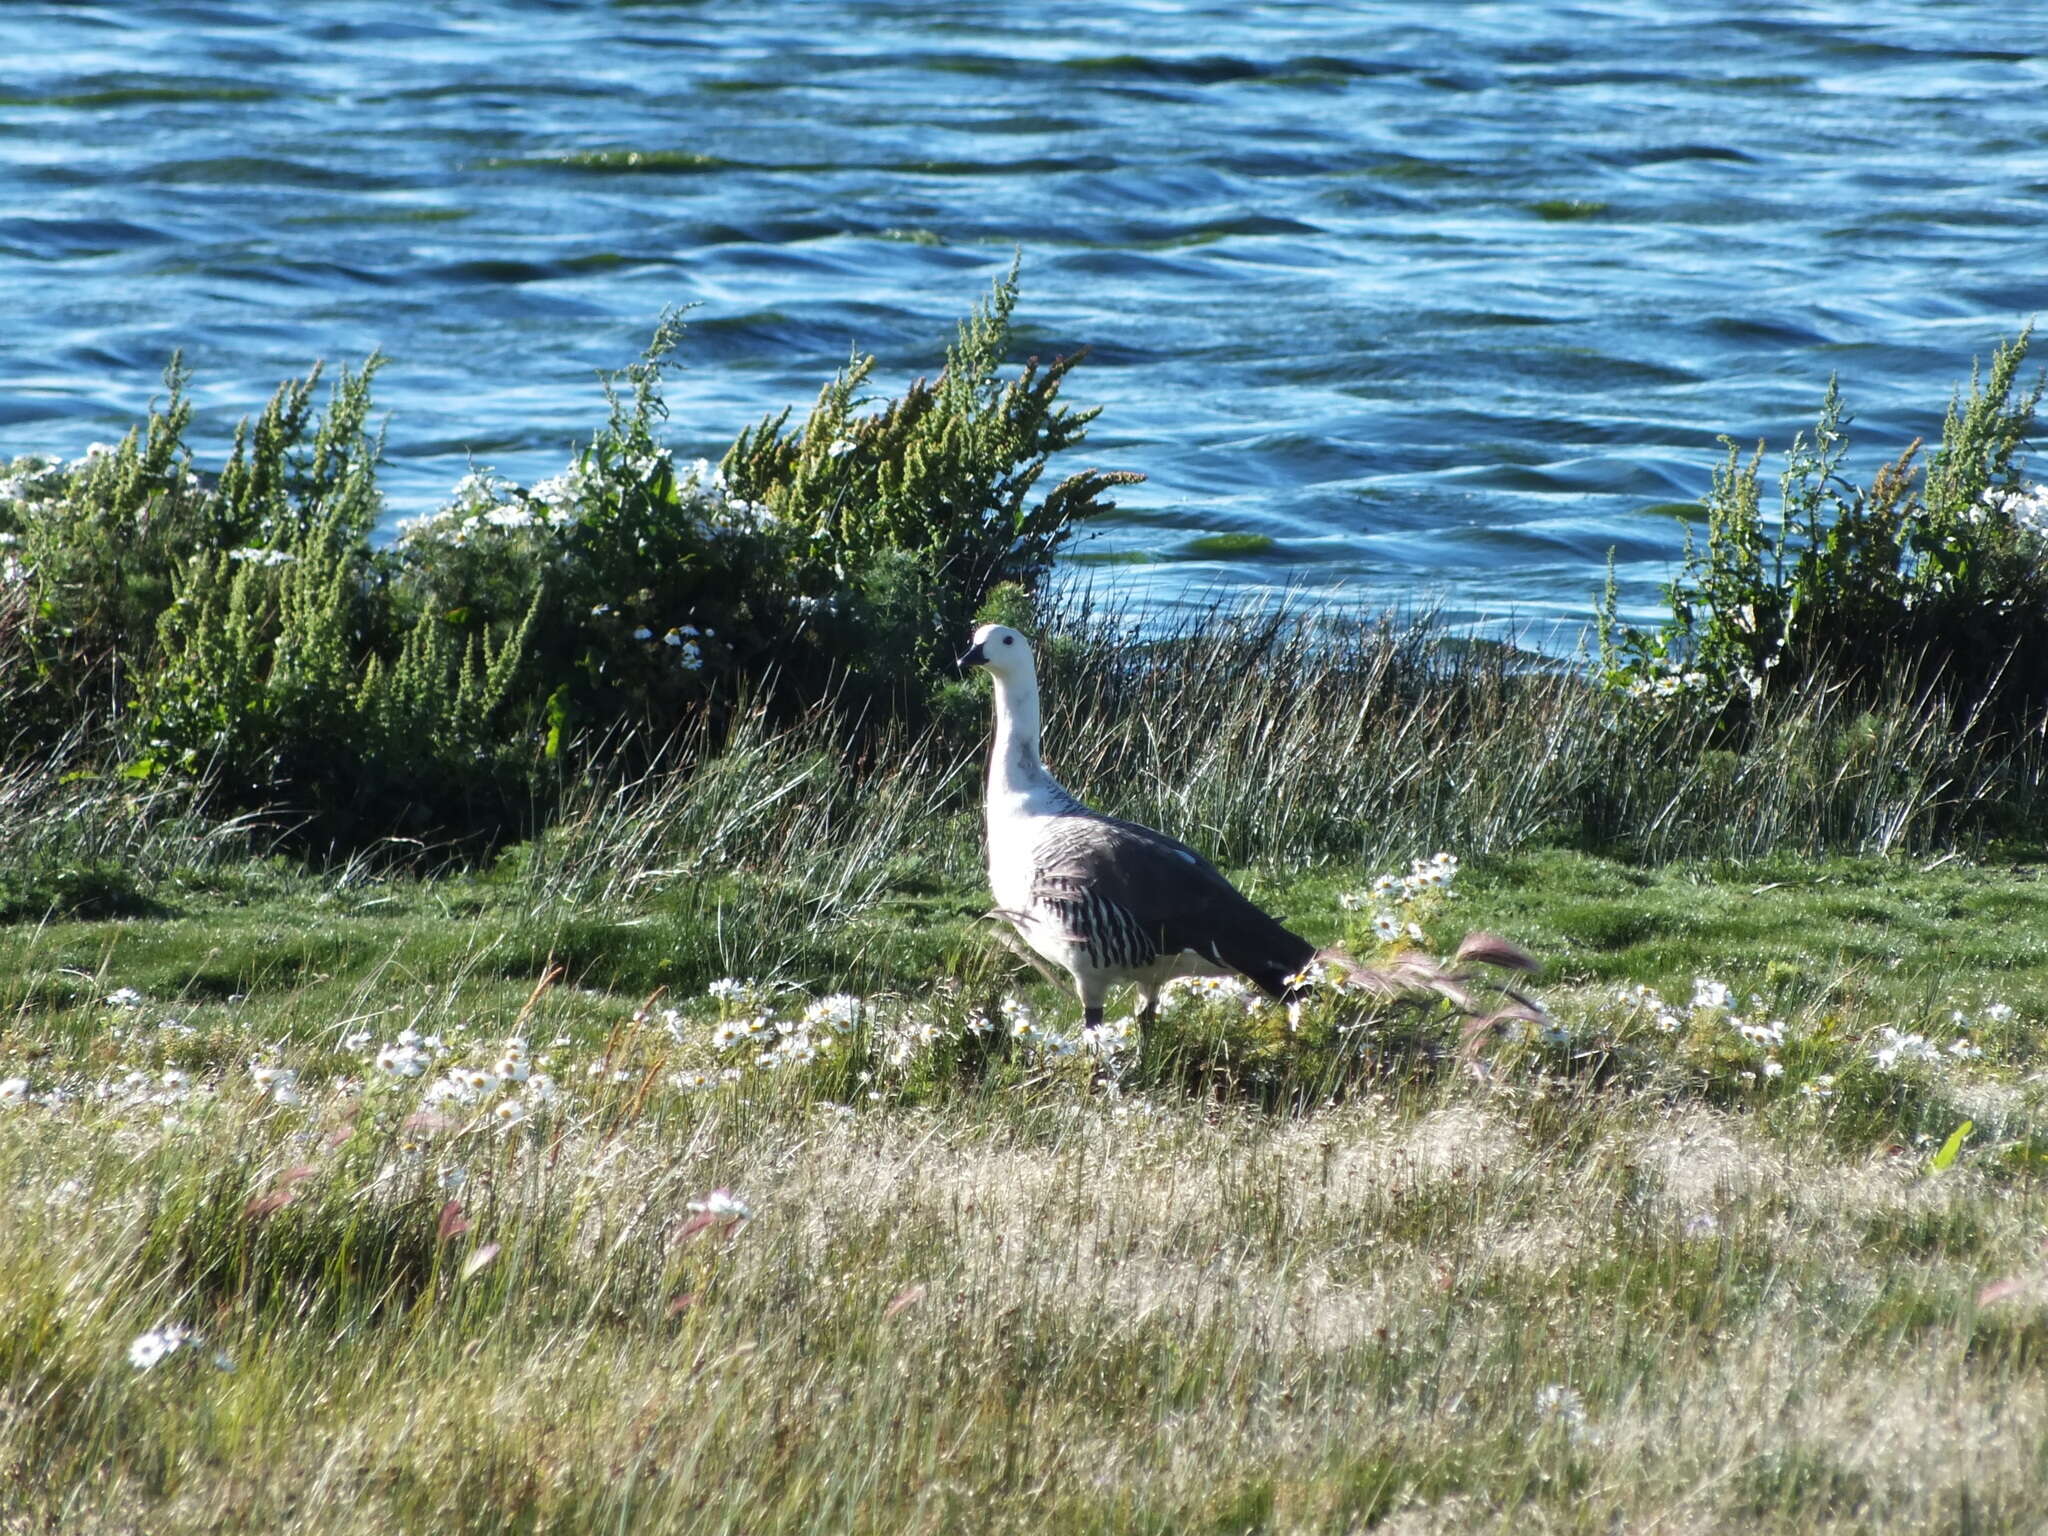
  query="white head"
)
[
  {"x": 1003, "y": 651},
  {"x": 1014, "y": 766}
]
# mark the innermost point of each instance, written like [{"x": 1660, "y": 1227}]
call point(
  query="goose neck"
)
[{"x": 1015, "y": 765}]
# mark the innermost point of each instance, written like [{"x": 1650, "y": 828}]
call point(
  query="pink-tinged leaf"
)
[
  {"x": 909, "y": 1296},
  {"x": 267, "y": 1204},
  {"x": 694, "y": 1226},
  {"x": 1381, "y": 984},
  {"x": 337, "y": 1136},
  {"x": 682, "y": 1303},
  {"x": 451, "y": 1223},
  {"x": 1492, "y": 949},
  {"x": 1452, "y": 991},
  {"x": 479, "y": 1259},
  {"x": 1998, "y": 1290},
  {"x": 281, "y": 1193},
  {"x": 426, "y": 1120}
]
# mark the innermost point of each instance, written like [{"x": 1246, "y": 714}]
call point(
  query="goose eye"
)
[{"x": 1009, "y": 639}]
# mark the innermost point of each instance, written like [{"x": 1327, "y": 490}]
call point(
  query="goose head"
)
[{"x": 1003, "y": 651}]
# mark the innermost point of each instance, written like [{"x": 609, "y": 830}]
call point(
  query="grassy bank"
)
[
  {"x": 1613, "y": 1270},
  {"x": 361, "y": 1196},
  {"x": 501, "y": 1033}
]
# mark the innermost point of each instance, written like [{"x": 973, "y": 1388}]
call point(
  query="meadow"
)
[
  {"x": 705, "y": 1164},
  {"x": 648, "y": 1131}
]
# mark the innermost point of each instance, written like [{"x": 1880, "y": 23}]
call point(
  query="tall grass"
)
[
  {"x": 766, "y": 856},
  {"x": 792, "y": 799},
  {"x": 1268, "y": 734},
  {"x": 1271, "y": 738},
  {"x": 73, "y": 841}
]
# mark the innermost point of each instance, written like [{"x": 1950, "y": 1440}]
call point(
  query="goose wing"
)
[{"x": 1141, "y": 895}]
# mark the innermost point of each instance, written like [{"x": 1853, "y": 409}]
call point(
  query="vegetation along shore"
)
[{"x": 499, "y": 1031}]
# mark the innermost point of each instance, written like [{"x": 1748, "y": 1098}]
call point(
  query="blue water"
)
[{"x": 1448, "y": 300}]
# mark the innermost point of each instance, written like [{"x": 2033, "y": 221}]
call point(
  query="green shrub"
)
[
  {"x": 844, "y": 560},
  {"x": 244, "y": 629},
  {"x": 651, "y": 592},
  {"x": 263, "y": 685},
  {"x": 101, "y": 543},
  {"x": 911, "y": 515},
  {"x": 1941, "y": 570}
]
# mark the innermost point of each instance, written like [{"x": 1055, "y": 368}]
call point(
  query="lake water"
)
[{"x": 1447, "y": 300}]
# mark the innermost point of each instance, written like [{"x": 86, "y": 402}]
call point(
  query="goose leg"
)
[
  {"x": 1091, "y": 1026},
  {"x": 1093, "y": 992}
]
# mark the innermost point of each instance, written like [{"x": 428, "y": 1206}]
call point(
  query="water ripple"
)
[{"x": 1445, "y": 303}]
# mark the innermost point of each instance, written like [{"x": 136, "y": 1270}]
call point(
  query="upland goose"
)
[{"x": 1106, "y": 900}]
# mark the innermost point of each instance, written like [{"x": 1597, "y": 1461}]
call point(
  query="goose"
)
[{"x": 1106, "y": 900}]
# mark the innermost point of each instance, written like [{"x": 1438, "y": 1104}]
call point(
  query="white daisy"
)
[{"x": 723, "y": 1203}]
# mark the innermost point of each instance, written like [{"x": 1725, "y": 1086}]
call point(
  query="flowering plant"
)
[{"x": 1942, "y": 567}]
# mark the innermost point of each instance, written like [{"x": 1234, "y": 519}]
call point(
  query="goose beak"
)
[{"x": 974, "y": 658}]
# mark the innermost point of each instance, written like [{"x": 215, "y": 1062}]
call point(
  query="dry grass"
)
[{"x": 1518, "y": 1302}]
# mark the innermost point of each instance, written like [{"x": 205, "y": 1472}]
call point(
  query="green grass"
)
[
  {"x": 1600, "y": 1284},
  {"x": 1645, "y": 1261}
]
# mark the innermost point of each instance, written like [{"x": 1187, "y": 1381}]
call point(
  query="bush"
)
[
  {"x": 917, "y": 512},
  {"x": 243, "y": 629},
  {"x": 1941, "y": 571},
  {"x": 102, "y": 541},
  {"x": 841, "y": 560},
  {"x": 652, "y": 593},
  {"x": 263, "y": 683}
]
